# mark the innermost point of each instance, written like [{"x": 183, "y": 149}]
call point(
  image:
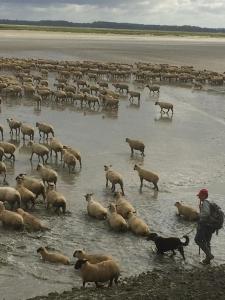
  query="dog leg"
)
[
  {"x": 173, "y": 253},
  {"x": 181, "y": 250}
]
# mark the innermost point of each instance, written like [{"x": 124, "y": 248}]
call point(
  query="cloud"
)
[{"x": 205, "y": 13}]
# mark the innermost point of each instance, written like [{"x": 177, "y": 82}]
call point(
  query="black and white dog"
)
[{"x": 168, "y": 244}]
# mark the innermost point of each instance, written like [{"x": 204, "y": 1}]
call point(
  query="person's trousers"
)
[{"x": 203, "y": 238}]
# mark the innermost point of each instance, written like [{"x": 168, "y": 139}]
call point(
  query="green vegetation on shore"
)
[{"x": 110, "y": 31}]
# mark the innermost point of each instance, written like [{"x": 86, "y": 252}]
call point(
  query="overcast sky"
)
[{"x": 204, "y": 13}]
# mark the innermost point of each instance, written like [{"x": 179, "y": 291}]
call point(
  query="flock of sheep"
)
[{"x": 87, "y": 84}]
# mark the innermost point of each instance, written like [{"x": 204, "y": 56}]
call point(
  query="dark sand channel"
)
[{"x": 186, "y": 151}]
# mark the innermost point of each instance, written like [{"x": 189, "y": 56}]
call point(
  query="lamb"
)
[
  {"x": 27, "y": 130},
  {"x": 31, "y": 221},
  {"x": 114, "y": 177},
  {"x": 14, "y": 124},
  {"x": 25, "y": 194},
  {"x": 94, "y": 208},
  {"x": 47, "y": 174},
  {"x": 123, "y": 207},
  {"x": 55, "y": 199},
  {"x": 101, "y": 272},
  {"x": 1, "y": 130},
  {"x": 34, "y": 185},
  {"x": 137, "y": 225},
  {"x": 56, "y": 146},
  {"x": 39, "y": 150},
  {"x": 8, "y": 149},
  {"x": 136, "y": 145},
  {"x": 148, "y": 176},
  {"x": 92, "y": 258},
  {"x": 187, "y": 212},
  {"x": 53, "y": 257},
  {"x": 10, "y": 195},
  {"x": 116, "y": 221},
  {"x": 75, "y": 152},
  {"x": 45, "y": 128},
  {"x": 10, "y": 218},
  {"x": 165, "y": 105},
  {"x": 69, "y": 160},
  {"x": 3, "y": 170}
]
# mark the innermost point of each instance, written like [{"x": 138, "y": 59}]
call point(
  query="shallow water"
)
[{"x": 187, "y": 151}]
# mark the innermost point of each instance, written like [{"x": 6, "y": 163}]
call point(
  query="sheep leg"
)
[
  {"x": 31, "y": 155},
  {"x": 132, "y": 151},
  {"x": 121, "y": 185},
  {"x": 155, "y": 186},
  {"x": 113, "y": 187},
  {"x": 13, "y": 156},
  {"x": 46, "y": 158},
  {"x": 107, "y": 182},
  {"x": 84, "y": 283},
  {"x": 173, "y": 253},
  {"x": 141, "y": 179}
]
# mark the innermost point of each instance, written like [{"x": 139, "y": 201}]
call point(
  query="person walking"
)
[{"x": 204, "y": 230}]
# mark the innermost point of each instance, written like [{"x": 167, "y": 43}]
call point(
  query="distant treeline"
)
[{"x": 114, "y": 25}]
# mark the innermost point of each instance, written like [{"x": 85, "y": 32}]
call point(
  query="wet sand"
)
[
  {"x": 203, "y": 53},
  {"x": 186, "y": 151}
]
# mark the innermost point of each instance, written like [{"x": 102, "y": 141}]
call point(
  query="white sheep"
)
[
  {"x": 14, "y": 124},
  {"x": 53, "y": 257},
  {"x": 148, "y": 176},
  {"x": 116, "y": 221},
  {"x": 55, "y": 199},
  {"x": 137, "y": 225},
  {"x": 136, "y": 145},
  {"x": 69, "y": 159},
  {"x": 165, "y": 105},
  {"x": 94, "y": 208},
  {"x": 187, "y": 212},
  {"x": 39, "y": 150},
  {"x": 31, "y": 221},
  {"x": 47, "y": 174},
  {"x": 27, "y": 130},
  {"x": 92, "y": 258},
  {"x": 8, "y": 149},
  {"x": 10, "y": 218},
  {"x": 10, "y": 195},
  {"x": 45, "y": 128},
  {"x": 101, "y": 272},
  {"x": 34, "y": 185},
  {"x": 3, "y": 170},
  {"x": 114, "y": 177},
  {"x": 25, "y": 194},
  {"x": 56, "y": 146},
  {"x": 75, "y": 152},
  {"x": 123, "y": 207}
]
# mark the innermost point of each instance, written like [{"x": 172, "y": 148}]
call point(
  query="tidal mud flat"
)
[{"x": 186, "y": 150}]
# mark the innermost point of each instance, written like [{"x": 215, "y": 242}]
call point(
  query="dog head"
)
[{"x": 152, "y": 236}]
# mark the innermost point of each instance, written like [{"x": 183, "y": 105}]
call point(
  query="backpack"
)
[{"x": 216, "y": 218}]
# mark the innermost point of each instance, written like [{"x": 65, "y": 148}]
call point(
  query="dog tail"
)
[{"x": 187, "y": 240}]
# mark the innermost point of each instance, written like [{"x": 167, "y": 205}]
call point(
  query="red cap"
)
[{"x": 203, "y": 192}]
